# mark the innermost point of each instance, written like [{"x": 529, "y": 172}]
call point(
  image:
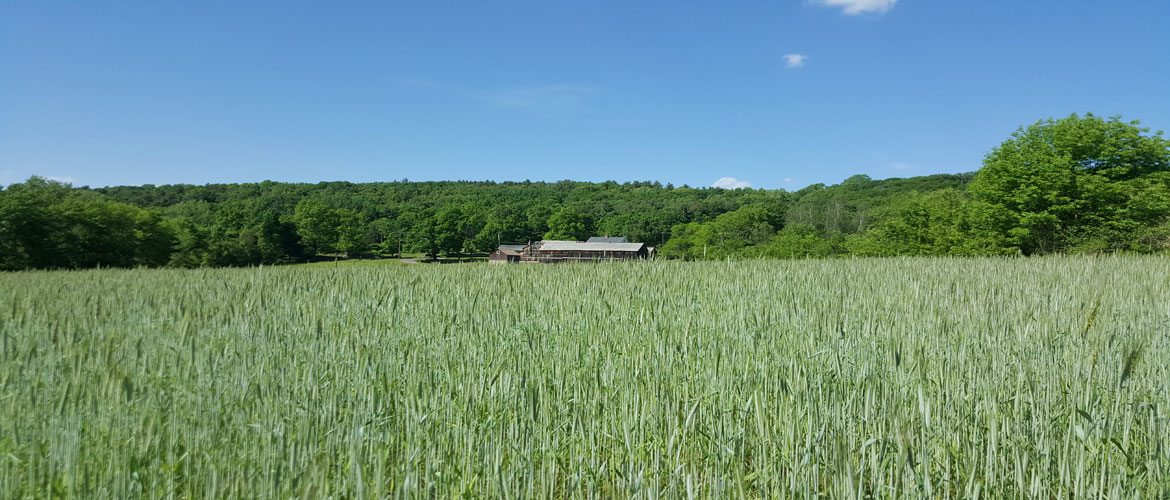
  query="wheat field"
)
[{"x": 868, "y": 378}]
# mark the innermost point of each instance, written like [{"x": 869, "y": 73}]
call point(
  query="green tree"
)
[
  {"x": 945, "y": 222},
  {"x": 568, "y": 224},
  {"x": 449, "y": 229},
  {"x": 351, "y": 233},
  {"x": 316, "y": 226},
  {"x": 191, "y": 248},
  {"x": 383, "y": 235},
  {"x": 725, "y": 236},
  {"x": 1060, "y": 179},
  {"x": 1148, "y": 213},
  {"x": 31, "y": 230},
  {"x": 99, "y": 233},
  {"x": 498, "y": 228},
  {"x": 327, "y": 230},
  {"x": 156, "y": 240},
  {"x": 746, "y": 226},
  {"x": 424, "y": 235},
  {"x": 795, "y": 241},
  {"x": 687, "y": 241}
]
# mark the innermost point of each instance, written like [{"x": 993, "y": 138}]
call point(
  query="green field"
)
[
  {"x": 348, "y": 263},
  {"x": 897, "y": 378}
]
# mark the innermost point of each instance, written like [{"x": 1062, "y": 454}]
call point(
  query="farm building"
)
[
  {"x": 506, "y": 254},
  {"x": 551, "y": 251},
  {"x": 607, "y": 239}
]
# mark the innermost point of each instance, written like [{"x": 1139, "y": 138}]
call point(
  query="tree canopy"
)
[{"x": 1073, "y": 182}]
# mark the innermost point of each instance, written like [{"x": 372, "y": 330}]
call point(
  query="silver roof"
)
[
  {"x": 575, "y": 246},
  {"x": 537, "y": 245},
  {"x": 607, "y": 239}
]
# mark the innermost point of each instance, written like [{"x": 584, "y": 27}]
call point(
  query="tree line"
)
[
  {"x": 1080, "y": 184},
  {"x": 1077, "y": 184}
]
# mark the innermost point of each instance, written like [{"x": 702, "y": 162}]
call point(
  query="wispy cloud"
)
[
  {"x": 794, "y": 60},
  {"x": 63, "y": 179},
  {"x": 731, "y": 183},
  {"x": 788, "y": 180},
  {"x": 854, "y": 7},
  {"x": 897, "y": 165},
  {"x": 542, "y": 98},
  {"x": 423, "y": 83}
]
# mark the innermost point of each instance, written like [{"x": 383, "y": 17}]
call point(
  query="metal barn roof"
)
[
  {"x": 607, "y": 239},
  {"x": 577, "y": 246}
]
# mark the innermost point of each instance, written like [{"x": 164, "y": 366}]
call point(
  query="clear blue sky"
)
[{"x": 107, "y": 93}]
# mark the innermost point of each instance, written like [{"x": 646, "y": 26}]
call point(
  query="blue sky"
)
[{"x": 778, "y": 94}]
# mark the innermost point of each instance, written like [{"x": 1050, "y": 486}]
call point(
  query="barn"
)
[
  {"x": 506, "y": 254},
  {"x": 552, "y": 251}
]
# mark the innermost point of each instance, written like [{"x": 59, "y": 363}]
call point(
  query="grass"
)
[
  {"x": 379, "y": 263},
  {"x": 895, "y": 378},
  {"x": 347, "y": 263}
]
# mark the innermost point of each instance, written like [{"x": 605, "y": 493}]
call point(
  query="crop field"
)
[{"x": 866, "y": 378}]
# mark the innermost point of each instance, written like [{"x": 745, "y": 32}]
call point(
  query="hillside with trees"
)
[{"x": 1077, "y": 184}]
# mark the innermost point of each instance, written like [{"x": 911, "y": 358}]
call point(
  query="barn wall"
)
[{"x": 580, "y": 256}]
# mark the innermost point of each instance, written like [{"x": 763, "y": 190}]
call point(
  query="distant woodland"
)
[{"x": 1081, "y": 184}]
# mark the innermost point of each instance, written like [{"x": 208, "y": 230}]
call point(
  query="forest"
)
[{"x": 1079, "y": 184}]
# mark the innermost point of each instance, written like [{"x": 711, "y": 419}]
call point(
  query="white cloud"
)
[
  {"x": 58, "y": 178},
  {"x": 854, "y": 7},
  {"x": 787, "y": 180},
  {"x": 731, "y": 183},
  {"x": 901, "y": 166},
  {"x": 794, "y": 60}
]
